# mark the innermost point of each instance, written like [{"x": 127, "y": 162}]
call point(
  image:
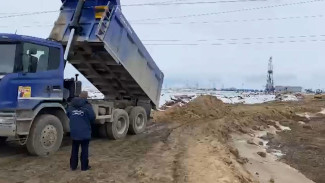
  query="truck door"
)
[{"x": 41, "y": 78}]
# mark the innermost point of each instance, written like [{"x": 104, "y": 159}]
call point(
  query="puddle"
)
[
  {"x": 265, "y": 169},
  {"x": 268, "y": 168}
]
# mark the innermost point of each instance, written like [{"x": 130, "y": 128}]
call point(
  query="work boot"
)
[{"x": 89, "y": 167}]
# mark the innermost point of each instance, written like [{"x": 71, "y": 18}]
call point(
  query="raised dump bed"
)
[{"x": 108, "y": 52}]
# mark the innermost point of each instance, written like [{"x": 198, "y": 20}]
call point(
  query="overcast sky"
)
[{"x": 211, "y": 43}]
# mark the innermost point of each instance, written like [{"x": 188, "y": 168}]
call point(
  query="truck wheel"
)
[
  {"x": 147, "y": 108},
  {"x": 45, "y": 136},
  {"x": 128, "y": 109},
  {"x": 138, "y": 120},
  {"x": 3, "y": 140},
  {"x": 120, "y": 125}
]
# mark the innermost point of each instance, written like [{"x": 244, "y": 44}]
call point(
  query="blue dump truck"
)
[{"x": 95, "y": 37}]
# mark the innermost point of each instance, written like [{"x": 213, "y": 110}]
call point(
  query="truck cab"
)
[
  {"x": 34, "y": 66},
  {"x": 31, "y": 87}
]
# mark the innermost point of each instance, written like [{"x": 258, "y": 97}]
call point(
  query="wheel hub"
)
[
  {"x": 121, "y": 125},
  {"x": 139, "y": 121},
  {"x": 48, "y": 136}
]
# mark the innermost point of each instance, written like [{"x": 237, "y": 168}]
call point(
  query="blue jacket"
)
[{"x": 81, "y": 115}]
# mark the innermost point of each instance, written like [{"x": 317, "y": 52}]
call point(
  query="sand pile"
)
[{"x": 203, "y": 107}]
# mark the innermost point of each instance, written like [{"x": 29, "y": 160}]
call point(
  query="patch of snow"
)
[
  {"x": 229, "y": 97},
  {"x": 301, "y": 123},
  {"x": 169, "y": 95},
  {"x": 265, "y": 143},
  {"x": 283, "y": 128},
  {"x": 260, "y": 134},
  {"x": 306, "y": 115},
  {"x": 93, "y": 93},
  {"x": 322, "y": 111},
  {"x": 247, "y": 98},
  {"x": 277, "y": 153},
  {"x": 286, "y": 98}
]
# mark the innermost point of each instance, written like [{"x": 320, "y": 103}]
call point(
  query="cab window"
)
[{"x": 37, "y": 58}]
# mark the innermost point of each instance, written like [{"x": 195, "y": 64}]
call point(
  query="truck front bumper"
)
[{"x": 7, "y": 124}]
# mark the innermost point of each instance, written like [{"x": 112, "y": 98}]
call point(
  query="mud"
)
[
  {"x": 265, "y": 166},
  {"x": 182, "y": 144},
  {"x": 304, "y": 148}
]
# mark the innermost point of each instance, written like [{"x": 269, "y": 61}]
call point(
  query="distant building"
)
[{"x": 288, "y": 89}]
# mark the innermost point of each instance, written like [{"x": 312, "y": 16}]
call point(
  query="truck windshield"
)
[{"x": 7, "y": 58}]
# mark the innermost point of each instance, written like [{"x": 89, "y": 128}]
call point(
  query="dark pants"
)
[{"x": 75, "y": 154}]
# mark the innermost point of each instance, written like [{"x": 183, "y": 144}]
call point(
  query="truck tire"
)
[
  {"x": 138, "y": 120},
  {"x": 45, "y": 136},
  {"x": 120, "y": 125},
  {"x": 147, "y": 107},
  {"x": 3, "y": 140},
  {"x": 128, "y": 109}
]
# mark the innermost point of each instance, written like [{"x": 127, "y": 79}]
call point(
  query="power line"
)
[
  {"x": 199, "y": 22},
  {"x": 9, "y": 15},
  {"x": 231, "y": 21},
  {"x": 26, "y": 26},
  {"x": 164, "y": 3},
  {"x": 161, "y": 2},
  {"x": 31, "y": 13},
  {"x": 169, "y": 1},
  {"x": 185, "y": 16},
  {"x": 231, "y": 11},
  {"x": 190, "y": 3},
  {"x": 172, "y": 44},
  {"x": 238, "y": 39},
  {"x": 234, "y": 43}
]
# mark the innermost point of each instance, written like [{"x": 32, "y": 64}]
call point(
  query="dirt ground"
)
[
  {"x": 304, "y": 147},
  {"x": 187, "y": 144}
]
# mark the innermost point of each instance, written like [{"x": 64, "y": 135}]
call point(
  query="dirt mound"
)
[{"x": 203, "y": 107}]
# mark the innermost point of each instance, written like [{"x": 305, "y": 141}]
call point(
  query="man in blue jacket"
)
[{"x": 81, "y": 115}]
